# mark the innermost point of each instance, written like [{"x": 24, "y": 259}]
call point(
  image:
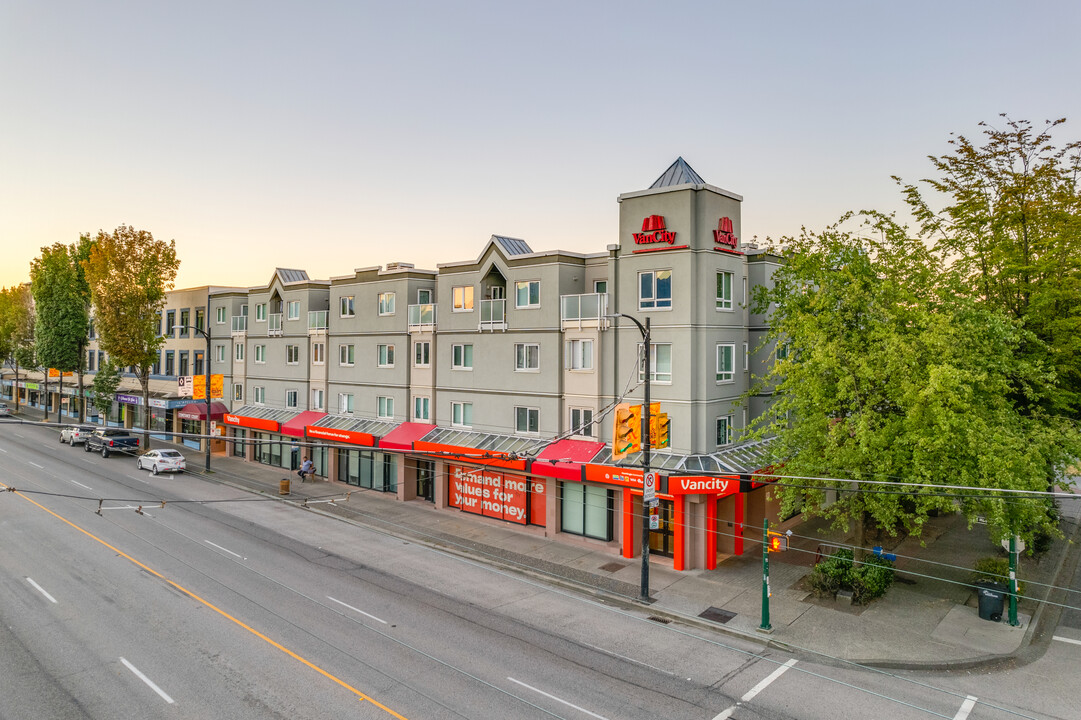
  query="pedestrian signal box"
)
[
  {"x": 627, "y": 430},
  {"x": 778, "y": 542}
]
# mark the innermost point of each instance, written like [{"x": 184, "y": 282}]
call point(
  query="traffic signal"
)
[
  {"x": 778, "y": 542},
  {"x": 626, "y": 430},
  {"x": 658, "y": 430}
]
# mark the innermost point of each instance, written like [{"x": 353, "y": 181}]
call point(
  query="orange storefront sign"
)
[
  {"x": 703, "y": 485},
  {"x": 491, "y": 493},
  {"x": 627, "y": 477},
  {"x": 346, "y": 436},
  {"x": 250, "y": 422},
  {"x": 470, "y": 455}
]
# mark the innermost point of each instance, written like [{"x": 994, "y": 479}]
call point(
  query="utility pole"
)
[
  {"x": 206, "y": 393},
  {"x": 1013, "y": 582},
  {"x": 765, "y": 627}
]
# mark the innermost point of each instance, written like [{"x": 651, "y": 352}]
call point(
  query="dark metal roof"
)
[
  {"x": 287, "y": 275},
  {"x": 485, "y": 441},
  {"x": 352, "y": 423},
  {"x": 734, "y": 459},
  {"x": 678, "y": 173},
  {"x": 263, "y": 412},
  {"x": 513, "y": 246}
]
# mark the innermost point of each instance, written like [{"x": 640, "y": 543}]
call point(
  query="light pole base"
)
[{"x": 768, "y": 630}]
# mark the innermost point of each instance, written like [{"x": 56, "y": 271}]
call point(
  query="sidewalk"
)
[{"x": 923, "y": 622}]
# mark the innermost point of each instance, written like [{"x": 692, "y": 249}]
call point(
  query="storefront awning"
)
[
  {"x": 197, "y": 411},
  {"x": 258, "y": 417},
  {"x": 295, "y": 427},
  {"x": 565, "y": 459},
  {"x": 403, "y": 436}
]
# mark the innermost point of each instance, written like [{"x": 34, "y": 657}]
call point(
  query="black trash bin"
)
[{"x": 992, "y": 597}]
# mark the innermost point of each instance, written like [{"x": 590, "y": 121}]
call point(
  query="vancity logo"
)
[
  {"x": 653, "y": 232},
  {"x": 723, "y": 235}
]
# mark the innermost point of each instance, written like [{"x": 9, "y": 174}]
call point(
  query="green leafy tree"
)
[
  {"x": 60, "y": 308},
  {"x": 17, "y": 331},
  {"x": 103, "y": 388},
  {"x": 128, "y": 273},
  {"x": 894, "y": 373},
  {"x": 1009, "y": 227}
]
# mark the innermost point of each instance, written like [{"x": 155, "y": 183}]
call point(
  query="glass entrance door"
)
[{"x": 662, "y": 540}]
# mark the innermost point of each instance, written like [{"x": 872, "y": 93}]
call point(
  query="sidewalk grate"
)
[
  {"x": 716, "y": 614},
  {"x": 661, "y": 620}
]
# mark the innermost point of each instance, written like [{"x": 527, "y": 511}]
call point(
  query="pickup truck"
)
[{"x": 110, "y": 440}]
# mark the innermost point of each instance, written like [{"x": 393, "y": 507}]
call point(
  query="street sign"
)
[
  {"x": 1019, "y": 545},
  {"x": 654, "y": 518},
  {"x": 649, "y": 486}
]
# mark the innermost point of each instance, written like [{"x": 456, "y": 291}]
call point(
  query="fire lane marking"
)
[
  {"x": 373, "y": 617},
  {"x": 41, "y": 590},
  {"x": 553, "y": 697},
  {"x": 148, "y": 681}
]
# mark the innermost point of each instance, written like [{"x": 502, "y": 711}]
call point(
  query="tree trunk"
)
[
  {"x": 82, "y": 395},
  {"x": 15, "y": 387},
  {"x": 144, "y": 380},
  {"x": 45, "y": 402}
]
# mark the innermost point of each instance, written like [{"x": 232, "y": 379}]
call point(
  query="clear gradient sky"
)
[{"x": 333, "y": 135}]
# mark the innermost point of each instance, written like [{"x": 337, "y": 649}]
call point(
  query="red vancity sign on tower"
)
[
  {"x": 723, "y": 235},
  {"x": 653, "y": 232}
]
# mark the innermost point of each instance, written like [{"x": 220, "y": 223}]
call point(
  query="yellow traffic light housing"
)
[
  {"x": 658, "y": 430},
  {"x": 626, "y": 430}
]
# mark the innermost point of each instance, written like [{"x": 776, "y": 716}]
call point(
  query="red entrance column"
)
[
  {"x": 711, "y": 532},
  {"x": 628, "y": 524}
]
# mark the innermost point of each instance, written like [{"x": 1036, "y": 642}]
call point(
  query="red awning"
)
[
  {"x": 564, "y": 460},
  {"x": 197, "y": 411},
  {"x": 403, "y": 436},
  {"x": 295, "y": 427}
]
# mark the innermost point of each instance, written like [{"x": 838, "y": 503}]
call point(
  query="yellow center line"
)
[{"x": 216, "y": 609}]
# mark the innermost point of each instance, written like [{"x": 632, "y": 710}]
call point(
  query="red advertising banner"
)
[
  {"x": 346, "y": 436},
  {"x": 495, "y": 494},
  {"x": 250, "y": 422}
]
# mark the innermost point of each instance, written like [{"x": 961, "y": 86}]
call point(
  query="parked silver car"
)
[
  {"x": 5, "y": 411},
  {"x": 75, "y": 434},
  {"x": 161, "y": 461}
]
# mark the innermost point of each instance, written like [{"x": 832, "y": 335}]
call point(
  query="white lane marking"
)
[
  {"x": 80, "y": 484},
  {"x": 39, "y": 467},
  {"x": 727, "y": 713},
  {"x": 966, "y": 708},
  {"x": 18, "y": 435},
  {"x": 553, "y": 697},
  {"x": 148, "y": 681},
  {"x": 3, "y": 450},
  {"x": 225, "y": 550},
  {"x": 373, "y": 617},
  {"x": 1065, "y": 639},
  {"x": 770, "y": 678},
  {"x": 41, "y": 590},
  {"x": 628, "y": 659}
]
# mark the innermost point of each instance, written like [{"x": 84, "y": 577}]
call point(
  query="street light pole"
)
[
  {"x": 646, "y": 446},
  {"x": 206, "y": 388}
]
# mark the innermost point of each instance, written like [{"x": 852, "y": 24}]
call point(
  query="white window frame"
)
[
  {"x": 726, "y": 421},
  {"x": 655, "y": 376},
  {"x": 424, "y": 296},
  {"x": 461, "y": 298},
  {"x": 384, "y": 406},
  {"x": 260, "y": 354},
  {"x": 461, "y": 414},
  {"x": 386, "y": 303},
  {"x": 578, "y": 355},
  {"x": 292, "y": 310},
  {"x": 238, "y": 352},
  {"x": 724, "y": 291},
  {"x": 422, "y": 402},
  {"x": 347, "y": 306},
  {"x": 531, "y": 416},
  {"x": 260, "y": 312},
  {"x": 219, "y": 315},
  {"x": 345, "y": 403},
  {"x": 347, "y": 356},
  {"x": 458, "y": 359},
  {"x": 600, "y": 287},
  {"x": 238, "y": 392},
  {"x": 384, "y": 355},
  {"x": 319, "y": 353},
  {"x": 219, "y": 356},
  {"x": 317, "y": 399},
  {"x": 654, "y": 302},
  {"x": 422, "y": 353},
  {"x": 746, "y": 357},
  {"x": 258, "y": 394},
  {"x": 724, "y": 375},
  {"x": 532, "y": 293},
  {"x": 292, "y": 399},
  {"x": 522, "y": 357},
  {"x": 292, "y": 354},
  {"x": 580, "y": 425}
]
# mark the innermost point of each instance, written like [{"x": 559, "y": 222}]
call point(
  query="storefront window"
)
[
  {"x": 586, "y": 510},
  {"x": 239, "y": 445},
  {"x": 368, "y": 469},
  {"x": 319, "y": 457},
  {"x": 426, "y": 480},
  {"x": 269, "y": 452},
  {"x": 161, "y": 423},
  {"x": 193, "y": 427}
]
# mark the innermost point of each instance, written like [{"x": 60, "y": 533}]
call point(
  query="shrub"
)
[
  {"x": 995, "y": 569},
  {"x": 832, "y": 574},
  {"x": 871, "y": 579}
]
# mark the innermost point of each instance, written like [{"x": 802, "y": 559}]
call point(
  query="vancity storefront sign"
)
[
  {"x": 656, "y": 236},
  {"x": 514, "y": 498},
  {"x": 724, "y": 237}
]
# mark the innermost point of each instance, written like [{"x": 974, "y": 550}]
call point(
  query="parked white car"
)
[
  {"x": 161, "y": 461},
  {"x": 5, "y": 411},
  {"x": 76, "y": 434}
]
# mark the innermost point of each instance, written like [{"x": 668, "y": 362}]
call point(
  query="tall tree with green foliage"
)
[
  {"x": 1008, "y": 224},
  {"x": 17, "y": 331},
  {"x": 128, "y": 273},
  {"x": 895, "y": 373},
  {"x": 60, "y": 309},
  {"x": 103, "y": 389}
]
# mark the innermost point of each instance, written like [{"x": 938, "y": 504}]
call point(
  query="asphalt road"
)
[{"x": 224, "y": 604}]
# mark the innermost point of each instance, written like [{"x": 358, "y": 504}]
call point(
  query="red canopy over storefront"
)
[
  {"x": 565, "y": 459},
  {"x": 295, "y": 427},
  {"x": 197, "y": 411},
  {"x": 403, "y": 436}
]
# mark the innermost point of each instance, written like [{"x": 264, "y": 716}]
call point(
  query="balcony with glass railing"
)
[
  {"x": 274, "y": 324},
  {"x": 579, "y": 311},
  {"x": 318, "y": 321},
  {"x": 422, "y": 317},
  {"x": 240, "y": 324},
  {"x": 493, "y": 314}
]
